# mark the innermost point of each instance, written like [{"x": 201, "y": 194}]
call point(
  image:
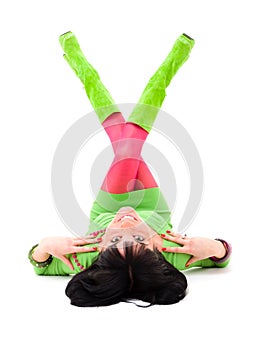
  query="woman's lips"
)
[{"x": 127, "y": 217}]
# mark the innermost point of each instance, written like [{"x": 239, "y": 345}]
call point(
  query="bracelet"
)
[
  {"x": 39, "y": 264},
  {"x": 228, "y": 249}
]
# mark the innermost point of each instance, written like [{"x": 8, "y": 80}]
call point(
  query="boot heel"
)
[{"x": 188, "y": 37}]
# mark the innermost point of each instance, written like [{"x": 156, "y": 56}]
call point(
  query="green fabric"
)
[
  {"x": 153, "y": 209},
  {"x": 153, "y": 95},
  {"x": 58, "y": 268},
  {"x": 148, "y": 203},
  {"x": 97, "y": 93}
]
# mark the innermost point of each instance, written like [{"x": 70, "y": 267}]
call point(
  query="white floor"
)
[
  {"x": 217, "y": 313},
  {"x": 213, "y": 98}
]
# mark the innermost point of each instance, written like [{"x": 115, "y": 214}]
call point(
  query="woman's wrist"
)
[
  {"x": 228, "y": 250},
  {"x": 220, "y": 250},
  {"x": 39, "y": 258},
  {"x": 40, "y": 252}
]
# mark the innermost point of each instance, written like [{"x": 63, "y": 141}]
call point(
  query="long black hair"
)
[{"x": 138, "y": 274}]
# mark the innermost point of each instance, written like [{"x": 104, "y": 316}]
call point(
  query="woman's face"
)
[{"x": 128, "y": 228}]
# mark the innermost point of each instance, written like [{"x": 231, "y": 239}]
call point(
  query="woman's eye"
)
[
  {"x": 139, "y": 238},
  {"x": 116, "y": 239}
]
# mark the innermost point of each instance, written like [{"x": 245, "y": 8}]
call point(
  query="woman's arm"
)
[{"x": 199, "y": 248}]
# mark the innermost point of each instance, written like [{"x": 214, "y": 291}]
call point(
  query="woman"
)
[{"x": 133, "y": 254}]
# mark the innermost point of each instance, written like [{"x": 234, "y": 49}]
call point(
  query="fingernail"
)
[
  {"x": 168, "y": 231},
  {"x": 99, "y": 239},
  {"x": 162, "y": 235},
  {"x": 94, "y": 248},
  {"x": 163, "y": 249}
]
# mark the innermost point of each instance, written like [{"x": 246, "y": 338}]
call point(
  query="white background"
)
[{"x": 213, "y": 97}]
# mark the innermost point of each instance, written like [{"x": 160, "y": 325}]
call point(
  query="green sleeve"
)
[
  {"x": 209, "y": 263},
  {"x": 58, "y": 268}
]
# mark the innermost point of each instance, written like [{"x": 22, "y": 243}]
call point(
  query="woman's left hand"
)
[{"x": 199, "y": 247}]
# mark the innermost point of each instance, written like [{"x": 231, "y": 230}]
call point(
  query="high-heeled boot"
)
[
  {"x": 147, "y": 108},
  {"x": 97, "y": 93}
]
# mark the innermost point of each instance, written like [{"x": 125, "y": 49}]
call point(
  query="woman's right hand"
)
[{"x": 60, "y": 246}]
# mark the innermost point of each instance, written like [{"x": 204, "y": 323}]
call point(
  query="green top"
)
[{"x": 152, "y": 208}]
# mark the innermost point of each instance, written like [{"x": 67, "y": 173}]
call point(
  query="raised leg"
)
[
  {"x": 125, "y": 168},
  {"x": 108, "y": 113},
  {"x": 128, "y": 171},
  {"x": 97, "y": 93},
  {"x": 145, "y": 112}
]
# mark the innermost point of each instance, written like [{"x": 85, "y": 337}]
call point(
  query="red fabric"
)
[{"x": 128, "y": 171}]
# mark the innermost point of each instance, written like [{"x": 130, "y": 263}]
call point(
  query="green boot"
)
[
  {"x": 177, "y": 56},
  {"x": 97, "y": 93},
  {"x": 145, "y": 112}
]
